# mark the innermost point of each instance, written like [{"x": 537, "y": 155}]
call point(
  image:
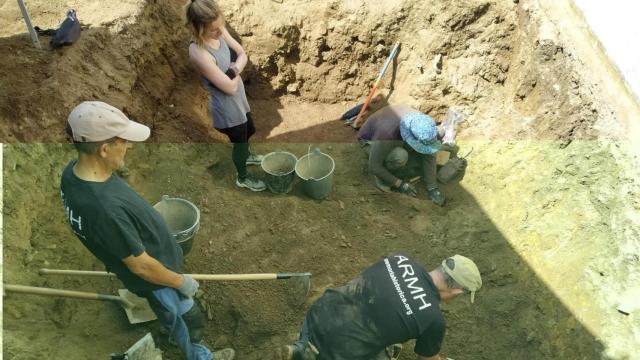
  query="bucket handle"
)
[{"x": 316, "y": 151}]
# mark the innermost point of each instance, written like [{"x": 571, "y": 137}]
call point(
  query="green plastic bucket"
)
[
  {"x": 183, "y": 218},
  {"x": 279, "y": 167},
  {"x": 316, "y": 172}
]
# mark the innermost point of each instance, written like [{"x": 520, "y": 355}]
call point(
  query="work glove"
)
[
  {"x": 189, "y": 286},
  {"x": 436, "y": 196},
  {"x": 230, "y": 73},
  {"x": 451, "y": 148},
  {"x": 407, "y": 189}
]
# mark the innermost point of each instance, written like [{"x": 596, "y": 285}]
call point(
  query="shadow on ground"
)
[{"x": 515, "y": 315}]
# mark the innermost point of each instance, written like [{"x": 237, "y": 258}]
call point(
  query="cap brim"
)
[{"x": 136, "y": 132}]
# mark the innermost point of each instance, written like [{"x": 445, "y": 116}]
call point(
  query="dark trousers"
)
[
  {"x": 239, "y": 136},
  {"x": 304, "y": 341},
  {"x": 194, "y": 318}
]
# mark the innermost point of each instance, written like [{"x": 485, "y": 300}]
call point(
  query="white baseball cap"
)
[
  {"x": 94, "y": 121},
  {"x": 465, "y": 272}
]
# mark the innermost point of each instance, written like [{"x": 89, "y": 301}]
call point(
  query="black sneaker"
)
[
  {"x": 436, "y": 196},
  {"x": 251, "y": 184}
]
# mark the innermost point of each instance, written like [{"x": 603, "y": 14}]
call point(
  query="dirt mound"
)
[{"x": 126, "y": 62}]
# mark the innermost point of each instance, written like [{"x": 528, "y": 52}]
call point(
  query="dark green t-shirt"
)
[
  {"x": 391, "y": 302},
  {"x": 114, "y": 222}
]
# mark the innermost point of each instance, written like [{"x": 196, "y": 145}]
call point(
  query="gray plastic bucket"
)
[
  {"x": 316, "y": 171},
  {"x": 279, "y": 167},
  {"x": 183, "y": 218}
]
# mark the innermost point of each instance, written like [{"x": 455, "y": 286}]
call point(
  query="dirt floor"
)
[{"x": 548, "y": 208}]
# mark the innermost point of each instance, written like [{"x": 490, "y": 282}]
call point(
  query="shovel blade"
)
[
  {"x": 300, "y": 288},
  {"x": 352, "y": 113},
  {"x": 144, "y": 349},
  {"x": 140, "y": 311}
]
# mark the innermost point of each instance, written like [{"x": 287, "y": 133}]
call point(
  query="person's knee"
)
[
  {"x": 396, "y": 159},
  {"x": 195, "y": 320}
]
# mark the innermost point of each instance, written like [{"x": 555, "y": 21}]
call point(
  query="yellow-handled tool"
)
[{"x": 361, "y": 108}]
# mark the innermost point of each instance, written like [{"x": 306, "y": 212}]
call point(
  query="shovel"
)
[
  {"x": 301, "y": 285},
  {"x": 137, "y": 308},
  {"x": 353, "y": 116}
]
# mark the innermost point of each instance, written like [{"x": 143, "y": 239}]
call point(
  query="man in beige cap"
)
[
  {"x": 393, "y": 301},
  {"x": 124, "y": 231}
]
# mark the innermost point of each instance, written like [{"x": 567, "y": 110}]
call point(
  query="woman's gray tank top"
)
[{"x": 227, "y": 110}]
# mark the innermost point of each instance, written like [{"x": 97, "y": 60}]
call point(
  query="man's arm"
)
[
  {"x": 379, "y": 151},
  {"x": 151, "y": 270}
]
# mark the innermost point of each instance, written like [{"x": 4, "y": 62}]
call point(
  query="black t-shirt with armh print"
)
[
  {"x": 393, "y": 301},
  {"x": 114, "y": 222}
]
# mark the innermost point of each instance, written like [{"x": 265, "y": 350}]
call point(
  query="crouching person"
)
[
  {"x": 393, "y": 301},
  {"x": 394, "y": 136}
]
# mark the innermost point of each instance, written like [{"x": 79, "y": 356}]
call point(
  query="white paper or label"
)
[{"x": 450, "y": 125}]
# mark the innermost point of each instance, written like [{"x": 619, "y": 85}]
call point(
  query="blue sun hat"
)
[{"x": 419, "y": 131}]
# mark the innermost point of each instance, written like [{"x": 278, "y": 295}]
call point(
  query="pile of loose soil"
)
[{"x": 548, "y": 208}]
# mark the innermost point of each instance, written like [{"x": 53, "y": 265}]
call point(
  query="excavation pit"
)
[{"x": 541, "y": 179}]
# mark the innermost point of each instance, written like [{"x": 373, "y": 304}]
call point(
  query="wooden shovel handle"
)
[
  {"x": 225, "y": 277},
  {"x": 23, "y": 289},
  {"x": 393, "y": 53},
  {"x": 205, "y": 277}
]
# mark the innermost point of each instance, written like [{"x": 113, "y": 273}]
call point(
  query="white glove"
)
[{"x": 189, "y": 286}]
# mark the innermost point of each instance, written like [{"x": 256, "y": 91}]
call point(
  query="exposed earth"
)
[{"x": 548, "y": 209}]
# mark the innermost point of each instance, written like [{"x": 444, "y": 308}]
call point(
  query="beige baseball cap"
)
[
  {"x": 94, "y": 121},
  {"x": 465, "y": 273}
]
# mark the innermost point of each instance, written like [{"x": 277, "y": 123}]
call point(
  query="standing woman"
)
[{"x": 210, "y": 53}]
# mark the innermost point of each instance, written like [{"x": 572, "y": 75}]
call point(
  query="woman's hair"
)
[{"x": 200, "y": 15}]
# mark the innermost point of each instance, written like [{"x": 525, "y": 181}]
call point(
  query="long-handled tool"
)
[
  {"x": 301, "y": 285},
  {"x": 137, "y": 308},
  {"x": 27, "y": 20},
  {"x": 353, "y": 116}
]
